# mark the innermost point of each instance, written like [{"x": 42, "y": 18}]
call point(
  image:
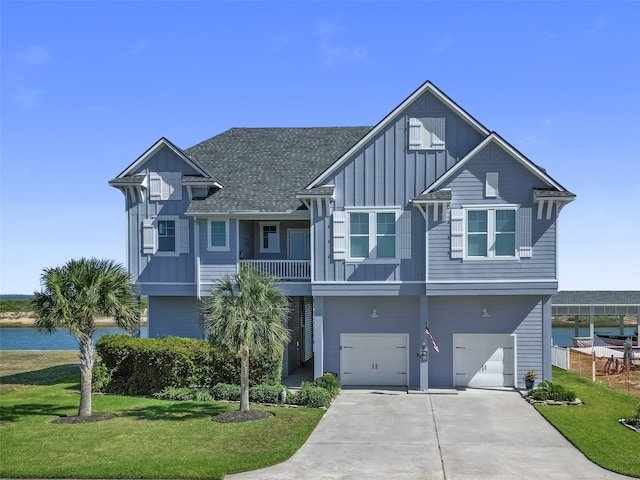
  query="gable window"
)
[
  {"x": 269, "y": 237},
  {"x": 165, "y": 236},
  {"x": 218, "y": 235},
  {"x": 488, "y": 233},
  {"x": 427, "y": 133}
]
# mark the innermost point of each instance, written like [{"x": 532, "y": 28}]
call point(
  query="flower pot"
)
[{"x": 528, "y": 384}]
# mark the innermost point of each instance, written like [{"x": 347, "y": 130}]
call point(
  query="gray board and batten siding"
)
[
  {"x": 385, "y": 172},
  {"x": 177, "y": 272}
]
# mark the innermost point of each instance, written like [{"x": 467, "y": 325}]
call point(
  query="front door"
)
[{"x": 299, "y": 245}]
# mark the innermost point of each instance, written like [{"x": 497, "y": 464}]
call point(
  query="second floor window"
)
[
  {"x": 218, "y": 235},
  {"x": 166, "y": 236},
  {"x": 372, "y": 234},
  {"x": 491, "y": 233},
  {"x": 269, "y": 237}
]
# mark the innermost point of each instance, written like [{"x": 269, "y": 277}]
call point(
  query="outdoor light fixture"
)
[
  {"x": 374, "y": 312},
  {"x": 485, "y": 314}
]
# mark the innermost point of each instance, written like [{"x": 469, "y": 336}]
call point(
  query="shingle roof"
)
[
  {"x": 324, "y": 191},
  {"x": 582, "y": 297},
  {"x": 444, "y": 194},
  {"x": 128, "y": 180},
  {"x": 550, "y": 193},
  {"x": 261, "y": 169}
]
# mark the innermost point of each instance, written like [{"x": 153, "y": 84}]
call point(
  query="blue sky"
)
[{"x": 88, "y": 86}]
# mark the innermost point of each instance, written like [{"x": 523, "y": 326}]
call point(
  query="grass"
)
[
  {"x": 593, "y": 428},
  {"x": 149, "y": 438}
]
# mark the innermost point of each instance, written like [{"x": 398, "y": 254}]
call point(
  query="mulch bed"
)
[
  {"x": 73, "y": 419},
  {"x": 237, "y": 416}
]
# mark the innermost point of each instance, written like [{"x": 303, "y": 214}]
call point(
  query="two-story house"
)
[{"x": 427, "y": 218}]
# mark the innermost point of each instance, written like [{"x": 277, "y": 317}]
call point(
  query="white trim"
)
[
  {"x": 196, "y": 256},
  {"x": 155, "y": 148},
  {"x": 373, "y": 282},
  {"x": 490, "y": 233},
  {"x": 226, "y": 247},
  {"x": 425, "y": 87},
  {"x": 373, "y": 234},
  {"x": 167, "y": 283},
  {"x": 495, "y": 138},
  {"x": 485, "y": 281}
]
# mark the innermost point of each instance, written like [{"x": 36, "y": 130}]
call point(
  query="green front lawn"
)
[
  {"x": 593, "y": 428},
  {"x": 148, "y": 439}
]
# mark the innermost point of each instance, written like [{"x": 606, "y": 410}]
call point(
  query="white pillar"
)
[{"x": 318, "y": 337}]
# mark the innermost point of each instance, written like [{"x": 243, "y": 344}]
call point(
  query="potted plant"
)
[{"x": 529, "y": 379}]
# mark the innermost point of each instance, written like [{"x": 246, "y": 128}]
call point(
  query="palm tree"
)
[
  {"x": 245, "y": 313},
  {"x": 73, "y": 296}
]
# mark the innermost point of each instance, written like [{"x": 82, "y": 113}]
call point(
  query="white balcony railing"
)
[{"x": 295, "y": 270}]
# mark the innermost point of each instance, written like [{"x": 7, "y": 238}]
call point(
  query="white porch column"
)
[
  {"x": 318, "y": 337},
  {"x": 591, "y": 320}
]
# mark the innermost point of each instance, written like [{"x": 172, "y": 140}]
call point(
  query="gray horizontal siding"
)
[
  {"x": 520, "y": 315},
  {"x": 176, "y": 316},
  {"x": 515, "y": 188}
]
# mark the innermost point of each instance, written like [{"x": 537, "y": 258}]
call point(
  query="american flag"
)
[{"x": 433, "y": 341}]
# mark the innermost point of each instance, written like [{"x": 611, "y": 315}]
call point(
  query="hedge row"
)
[{"x": 143, "y": 366}]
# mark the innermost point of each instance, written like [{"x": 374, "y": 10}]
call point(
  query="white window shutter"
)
[
  {"x": 524, "y": 233},
  {"x": 155, "y": 186},
  {"x": 148, "y": 237},
  {"x": 339, "y": 235},
  {"x": 437, "y": 133},
  {"x": 491, "y": 185},
  {"x": 457, "y": 232},
  {"x": 183, "y": 245},
  {"x": 404, "y": 234},
  {"x": 415, "y": 134}
]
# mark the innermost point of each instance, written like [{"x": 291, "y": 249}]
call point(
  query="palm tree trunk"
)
[
  {"x": 86, "y": 370},
  {"x": 244, "y": 378}
]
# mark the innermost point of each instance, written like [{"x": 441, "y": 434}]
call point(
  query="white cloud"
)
[
  {"x": 547, "y": 122},
  {"x": 35, "y": 55},
  {"x": 601, "y": 24},
  {"x": 443, "y": 45},
  {"x": 28, "y": 97},
  {"x": 331, "y": 52},
  {"x": 138, "y": 46}
]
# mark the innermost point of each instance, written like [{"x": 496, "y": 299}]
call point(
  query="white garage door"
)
[
  {"x": 483, "y": 360},
  {"x": 374, "y": 359}
]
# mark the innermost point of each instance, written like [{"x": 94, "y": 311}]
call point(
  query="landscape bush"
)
[
  {"x": 173, "y": 393},
  {"x": 330, "y": 383},
  {"x": 311, "y": 395},
  {"x": 100, "y": 378},
  {"x": 266, "y": 393},
  {"x": 226, "y": 391},
  {"x": 143, "y": 366},
  {"x": 551, "y": 391}
]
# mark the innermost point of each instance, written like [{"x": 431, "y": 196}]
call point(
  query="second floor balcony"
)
[{"x": 283, "y": 270}]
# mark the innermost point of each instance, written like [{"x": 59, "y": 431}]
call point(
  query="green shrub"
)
[
  {"x": 226, "y": 391},
  {"x": 550, "y": 391},
  {"x": 203, "y": 395},
  {"x": 311, "y": 395},
  {"x": 142, "y": 366},
  {"x": 329, "y": 383},
  {"x": 174, "y": 393},
  {"x": 100, "y": 378},
  {"x": 266, "y": 393}
]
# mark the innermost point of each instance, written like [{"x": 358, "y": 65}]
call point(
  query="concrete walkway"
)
[{"x": 471, "y": 434}]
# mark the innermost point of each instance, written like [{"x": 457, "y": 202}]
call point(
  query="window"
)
[
  {"x": 359, "y": 235},
  {"x": 386, "y": 235},
  {"x": 218, "y": 235},
  {"x": 166, "y": 236},
  {"x": 491, "y": 233},
  {"x": 269, "y": 237},
  {"x": 427, "y": 133}
]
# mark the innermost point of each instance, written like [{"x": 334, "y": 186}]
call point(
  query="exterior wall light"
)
[
  {"x": 374, "y": 312},
  {"x": 485, "y": 313}
]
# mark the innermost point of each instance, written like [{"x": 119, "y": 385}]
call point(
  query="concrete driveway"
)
[{"x": 471, "y": 434}]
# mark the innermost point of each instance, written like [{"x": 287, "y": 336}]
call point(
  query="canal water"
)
[{"x": 25, "y": 338}]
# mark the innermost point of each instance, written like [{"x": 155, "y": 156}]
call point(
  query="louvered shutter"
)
[
  {"x": 404, "y": 234},
  {"x": 148, "y": 237},
  {"x": 525, "y": 248},
  {"x": 339, "y": 235},
  {"x": 437, "y": 133},
  {"x": 415, "y": 134},
  {"x": 183, "y": 245},
  {"x": 491, "y": 185},
  {"x": 457, "y": 233},
  {"x": 155, "y": 186}
]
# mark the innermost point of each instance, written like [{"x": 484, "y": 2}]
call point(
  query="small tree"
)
[
  {"x": 245, "y": 313},
  {"x": 73, "y": 296}
]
